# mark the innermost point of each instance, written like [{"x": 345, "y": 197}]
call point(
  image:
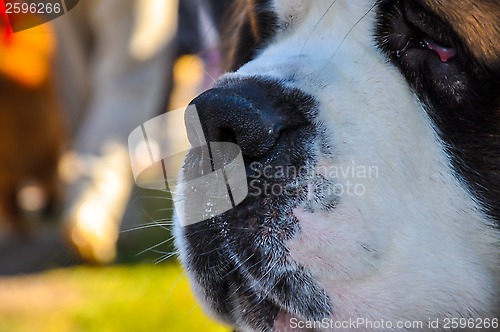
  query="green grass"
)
[{"x": 117, "y": 298}]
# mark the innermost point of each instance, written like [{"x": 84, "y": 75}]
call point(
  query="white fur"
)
[
  {"x": 289, "y": 11},
  {"x": 416, "y": 245}
]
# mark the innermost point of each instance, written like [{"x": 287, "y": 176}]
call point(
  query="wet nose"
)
[{"x": 250, "y": 113}]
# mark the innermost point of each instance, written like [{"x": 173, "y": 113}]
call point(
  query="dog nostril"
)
[
  {"x": 250, "y": 113},
  {"x": 227, "y": 135},
  {"x": 277, "y": 129},
  {"x": 228, "y": 116}
]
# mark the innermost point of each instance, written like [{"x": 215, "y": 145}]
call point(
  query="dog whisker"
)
[
  {"x": 349, "y": 32},
  {"x": 146, "y": 226},
  {"x": 164, "y": 258},
  {"x": 317, "y": 24},
  {"x": 170, "y": 239}
]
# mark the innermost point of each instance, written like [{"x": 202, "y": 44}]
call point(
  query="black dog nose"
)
[{"x": 251, "y": 113}]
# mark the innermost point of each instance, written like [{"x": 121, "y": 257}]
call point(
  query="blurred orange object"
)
[
  {"x": 32, "y": 132},
  {"x": 4, "y": 23},
  {"x": 25, "y": 56}
]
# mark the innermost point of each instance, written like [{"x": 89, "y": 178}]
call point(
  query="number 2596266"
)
[{"x": 32, "y": 8}]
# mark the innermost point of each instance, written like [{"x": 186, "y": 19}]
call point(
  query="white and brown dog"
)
[{"x": 370, "y": 132}]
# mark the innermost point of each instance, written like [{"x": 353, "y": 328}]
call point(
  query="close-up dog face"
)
[{"x": 370, "y": 136}]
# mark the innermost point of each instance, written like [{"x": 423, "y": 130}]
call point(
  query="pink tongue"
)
[{"x": 444, "y": 53}]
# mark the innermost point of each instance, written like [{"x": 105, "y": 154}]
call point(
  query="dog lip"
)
[
  {"x": 270, "y": 278},
  {"x": 264, "y": 307}
]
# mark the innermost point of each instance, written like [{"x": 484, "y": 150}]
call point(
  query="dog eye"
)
[
  {"x": 428, "y": 32},
  {"x": 445, "y": 53}
]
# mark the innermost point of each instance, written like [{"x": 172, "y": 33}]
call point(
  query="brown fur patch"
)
[{"x": 477, "y": 23}]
